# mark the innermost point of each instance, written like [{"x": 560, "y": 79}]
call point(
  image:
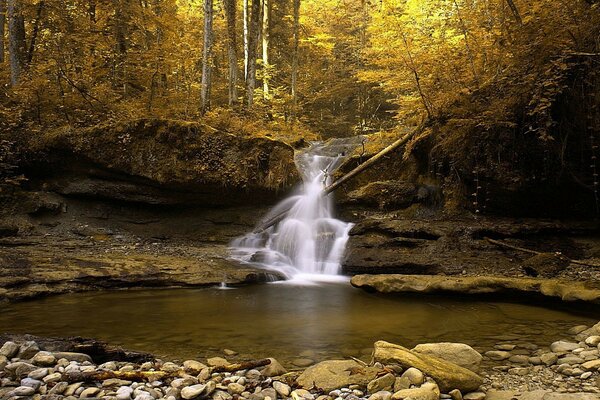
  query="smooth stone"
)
[
  {"x": 124, "y": 393},
  {"x": 170, "y": 367},
  {"x": 217, "y": 362},
  {"x": 535, "y": 360},
  {"x": 428, "y": 391},
  {"x": 455, "y": 394},
  {"x": 9, "y": 349},
  {"x": 381, "y": 395},
  {"x": 401, "y": 383},
  {"x": 447, "y": 375},
  {"x": 109, "y": 366},
  {"x": 577, "y": 329},
  {"x": 562, "y": 346},
  {"x": 221, "y": 395},
  {"x": 38, "y": 374},
  {"x": 303, "y": 362},
  {"x": 193, "y": 367},
  {"x": 89, "y": 392},
  {"x": 273, "y": 369},
  {"x": 71, "y": 356},
  {"x": 28, "y": 350},
  {"x": 44, "y": 359},
  {"x": 300, "y": 394},
  {"x": 20, "y": 368},
  {"x": 22, "y": 391},
  {"x": 457, "y": 353},
  {"x": 519, "y": 359},
  {"x": 54, "y": 377},
  {"x": 112, "y": 382},
  {"x": 282, "y": 388},
  {"x": 59, "y": 388},
  {"x": 549, "y": 358},
  {"x": 414, "y": 375},
  {"x": 519, "y": 371},
  {"x": 474, "y": 396},
  {"x": 334, "y": 374},
  {"x": 384, "y": 383},
  {"x": 586, "y": 375},
  {"x": 144, "y": 396},
  {"x": 593, "y": 340},
  {"x": 269, "y": 393},
  {"x": 72, "y": 388},
  {"x": 189, "y": 392},
  {"x": 235, "y": 388},
  {"x": 34, "y": 383},
  {"x": 497, "y": 355},
  {"x": 571, "y": 360},
  {"x": 229, "y": 352},
  {"x": 204, "y": 374},
  {"x": 504, "y": 347},
  {"x": 591, "y": 365}
]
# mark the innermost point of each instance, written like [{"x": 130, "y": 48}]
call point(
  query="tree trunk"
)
[
  {"x": 245, "y": 40},
  {"x": 207, "y": 56},
  {"x": 515, "y": 11},
  {"x": 295, "y": 58},
  {"x": 252, "y": 47},
  {"x": 2, "y": 23},
  {"x": 265, "y": 47},
  {"x": 120, "y": 33},
  {"x": 230, "y": 10},
  {"x": 16, "y": 40},
  {"x": 34, "y": 33}
]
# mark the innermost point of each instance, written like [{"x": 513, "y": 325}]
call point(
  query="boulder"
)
[
  {"x": 334, "y": 374},
  {"x": 448, "y": 375},
  {"x": 274, "y": 369},
  {"x": 384, "y": 383},
  {"x": 428, "y": 391},
  {"x": 457, "y": 353},
  {"x": 9, "y": 349}
]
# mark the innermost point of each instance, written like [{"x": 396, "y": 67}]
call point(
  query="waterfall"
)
[{"x": 309, "y": 242}]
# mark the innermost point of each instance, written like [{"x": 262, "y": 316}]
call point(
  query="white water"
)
[{"x": 309, "y": 243}]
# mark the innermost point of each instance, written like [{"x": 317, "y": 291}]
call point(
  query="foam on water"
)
[{"x": 307, "y": 245}]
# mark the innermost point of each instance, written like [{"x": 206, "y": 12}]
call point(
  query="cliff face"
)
[{"x": 161, "y": 162}]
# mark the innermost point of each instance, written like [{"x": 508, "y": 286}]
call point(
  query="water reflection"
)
[{"x": 276, "y": 320}]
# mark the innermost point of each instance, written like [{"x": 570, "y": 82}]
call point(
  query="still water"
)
[{"x": 281, "y": 320}]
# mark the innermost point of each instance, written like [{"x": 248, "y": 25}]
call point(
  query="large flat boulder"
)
[
  {"x": 456, "y": 353},
  {"x": 447, "y": 375},
  {"x": 396, "y": 283},
  {"x": 334, "y": 374}
]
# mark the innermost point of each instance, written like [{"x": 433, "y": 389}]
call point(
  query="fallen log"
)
[{"x": 535, "y": 252}]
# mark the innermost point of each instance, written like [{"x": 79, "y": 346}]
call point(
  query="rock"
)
[
  {"x": 303, "y": 362},
  {"x": 474, "y": 396},
  {"x": 401, "y": 383},
  {"x": 549, "y": 358},
  {"x": 281, "y": 388},
  {"x": 593, "y": 331},
  {"x": 505, "y": 347},
  {"x": 20, "y": 369},
  {"x": 217, "y": 362},
  {"x": 9, "y": 349},
  {"x": 455, "y": 394},
  {"x": 273, "y": 369},
  {"x": 545, "y": 265},
  {"x": 497, "y": 355},
  {"x": 113, "y": 382},
  {"x": 335, "y": 374},
  {"x": 44, "y": 359},
  {"x": 593, "y": 365},
  {"x": 170, "y": 367},
  {"x": 38, "y": 374},
  {"x": 593, "y": 340},
  {"x": 229, "y": 352},
  {"x": 414, "y": 376},
  {"x": 562, "y": 346},
  {"x": 428, "y": 391},
  {"x": 519, "y": 359},
  {"x": 110, "y": 366},
  {"x": 22, "y": 391},
  {"x": 221, "y": 395},
  {"x": 571, "y": 360},
  {"x": 3, "y": 362},
  {"x": 28, "y": 350},
  {"x": 384, "y": 383},
  {"x": 71, "y": 356},
  {"x": 72, "y": 388},
  {"x": 586, "y": 375},
  {"x": 89, "y": 392},
  {"x": 447, "y": 375},
  {"x": 34, "y": 383},
  {"x": 302, "y": 394},
  {"x": 190, "y": 392},
  {"x": 578, "y": 329},
  {"x": 385, "y": 195},
  {"x": 457, "y": 353},
  {"x": 55, "y": 377},
  {"x": 124, "y": 393},
  {"x": 235, "y": 388},
  {"x": 382, "y": 395},
  {"x": 59, "y": 388},
  {"x": 193, "y": 367}
]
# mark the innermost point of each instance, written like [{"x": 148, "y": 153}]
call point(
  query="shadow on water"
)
[{"x": 281, "y": 320}]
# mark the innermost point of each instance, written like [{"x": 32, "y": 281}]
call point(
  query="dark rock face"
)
[
  {"x": 386, "y": 195},
  {"x": 388, "y": 244},
  {"x": 163, "y": 162}
]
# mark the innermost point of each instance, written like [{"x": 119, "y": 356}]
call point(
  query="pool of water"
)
[{"x": 282, "y": 320}]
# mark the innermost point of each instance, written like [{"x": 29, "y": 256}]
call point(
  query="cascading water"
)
[{"x": 308, "y": 243}]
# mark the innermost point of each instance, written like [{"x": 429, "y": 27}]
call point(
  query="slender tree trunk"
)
[
  {"x": 34, "y": 33},
  {"x": 463, "y": 28},
  {"x": 120, "y": 32},
  {"x": 515, "y": 11},
  {"x": 265, "y": 47},
  {"x": 411, "y": 65},
  {"x": 230, "y": 11},
  {"x": 207, "y": 56},
  {"x": 252, "y": 48},
  {"x": 92, "y": 10},
  {"x": 246, "y": 16},
  {"x": 16, "y": 40},
  {"x": 2, "y": 23},
  {"x": 295, "y": 58}
]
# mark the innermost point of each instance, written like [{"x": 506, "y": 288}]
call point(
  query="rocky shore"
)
[{"x": 566, "y": 370}]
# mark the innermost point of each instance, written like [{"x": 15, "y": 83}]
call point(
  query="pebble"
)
[
  {"x": 562, "y": 346},
  {"x": 124, "y": 393},
  {"x": 415, "y": 376},
  {"x": 44, "y": 359},
  {"x": 455, "y": 394},
  {"x": 189, "y": 392},
  {"x": 474, "y": 396},
  {"x": 497, "y": 355},
  {"x": 9, "y": 349},
  {"x": 22, "y": 391},
  {"x": 235, "y": 388},
  {"x": 55, "y": 377},
  {"x": 34, "y": 383},
  {"x": 282, "y": 388},
  {"x": 59, "y": 388},
  {"x": 89, "y": 392},
  {"x": 217, "y": 362},
  {"x": 593, "y": 341}
]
